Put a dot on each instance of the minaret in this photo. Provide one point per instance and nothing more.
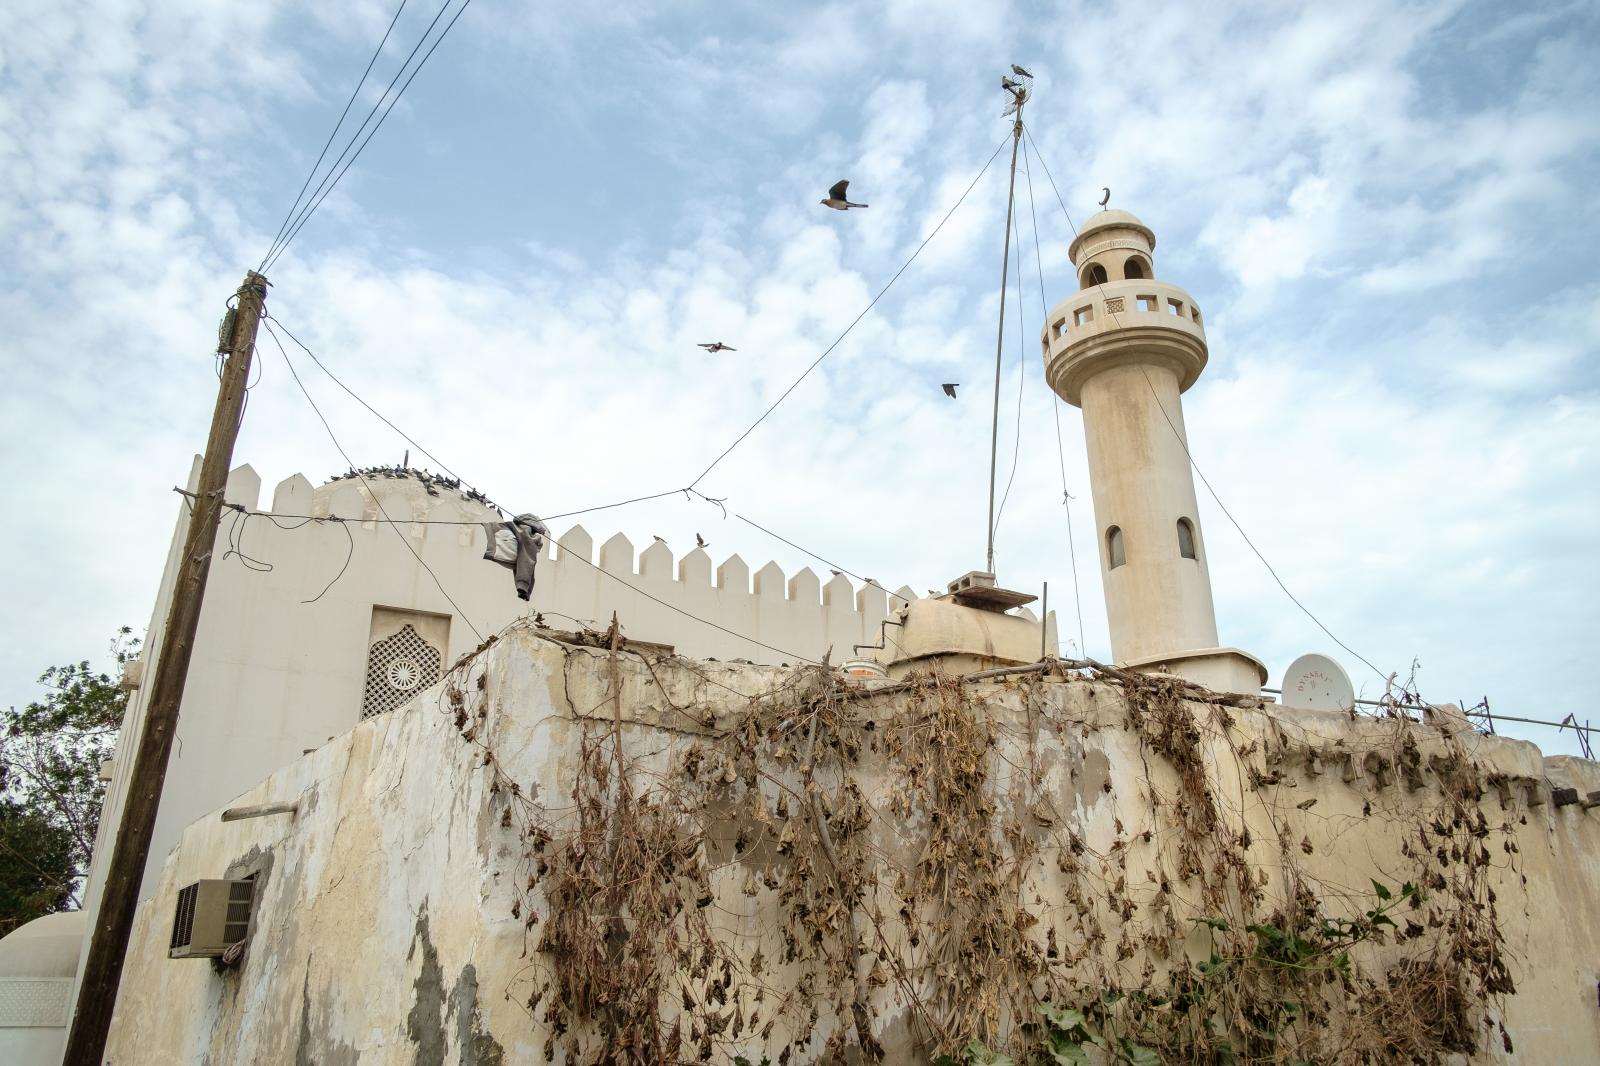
(1124, 348)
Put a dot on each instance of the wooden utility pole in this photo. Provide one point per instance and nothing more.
(97, 991)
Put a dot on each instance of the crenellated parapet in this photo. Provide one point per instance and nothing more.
(702, 607)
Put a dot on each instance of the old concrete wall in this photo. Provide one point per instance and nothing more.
(273, 674)
(385, 933)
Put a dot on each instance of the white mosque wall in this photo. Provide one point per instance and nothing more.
(273, 676)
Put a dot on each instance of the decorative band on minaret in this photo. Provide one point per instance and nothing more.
(1124, 348)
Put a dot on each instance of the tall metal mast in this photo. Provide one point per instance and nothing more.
(1020, 90)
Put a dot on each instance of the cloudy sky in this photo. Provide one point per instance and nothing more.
(1385, 209)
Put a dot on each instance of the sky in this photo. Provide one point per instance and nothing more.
(1385, 209)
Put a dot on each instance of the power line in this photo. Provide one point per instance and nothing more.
(378, 414)
(316, 201)
(673, 607)
(1022, 360)
(826, 562)
(1223, 507)
(838, 340)
(340, 449)
(1055, 404)
(1206, 481)
(442, 465)
(244, 513)
(284, 225)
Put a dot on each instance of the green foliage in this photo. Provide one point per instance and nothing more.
(36, 869)
(1068, 1034)
(50, 787)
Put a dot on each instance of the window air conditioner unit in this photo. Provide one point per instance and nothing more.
(211, 915)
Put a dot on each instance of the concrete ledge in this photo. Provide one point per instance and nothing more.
(1218, 669)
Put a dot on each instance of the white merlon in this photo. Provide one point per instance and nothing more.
(288, 658)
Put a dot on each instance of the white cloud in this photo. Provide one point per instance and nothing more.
(1399, 408)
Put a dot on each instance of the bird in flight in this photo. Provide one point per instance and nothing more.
(950, 389)
(700, 542)
(837, 197)
(1019, 72)
(1106, 199)
(717, 346)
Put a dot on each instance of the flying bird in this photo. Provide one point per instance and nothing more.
(1019, 72)
(950, 389)
(837, 197)
(717, 346)
(700, 542)
(1106, 199)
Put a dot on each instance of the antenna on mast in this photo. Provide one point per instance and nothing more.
(1020, 89)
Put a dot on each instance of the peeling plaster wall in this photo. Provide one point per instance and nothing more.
(383, 931)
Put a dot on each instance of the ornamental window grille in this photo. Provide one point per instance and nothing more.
(398, 667)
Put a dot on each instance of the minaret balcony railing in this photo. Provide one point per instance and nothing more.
(1122, 322)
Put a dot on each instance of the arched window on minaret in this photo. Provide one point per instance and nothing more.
(1186, 539)
(1134, 269)
(1114, 551)
(1094, 274)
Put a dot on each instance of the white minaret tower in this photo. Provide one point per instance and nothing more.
(1123, 348)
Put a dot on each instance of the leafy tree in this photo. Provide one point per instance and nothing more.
(50, 787)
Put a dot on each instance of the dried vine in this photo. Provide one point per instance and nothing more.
(916, 906)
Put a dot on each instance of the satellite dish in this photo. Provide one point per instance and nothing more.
(1317, 683)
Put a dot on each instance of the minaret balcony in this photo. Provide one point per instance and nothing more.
(1122, 323)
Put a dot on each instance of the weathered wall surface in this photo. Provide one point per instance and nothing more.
(280, 660)
(390, 925)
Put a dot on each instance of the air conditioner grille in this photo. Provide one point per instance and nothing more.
(398, 667)
(183, 919)
(210, 917)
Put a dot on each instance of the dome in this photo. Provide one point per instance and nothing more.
(1110, 220)
(425, 495)
(46, 947)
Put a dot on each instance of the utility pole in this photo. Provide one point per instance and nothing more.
(102, 972)
(1019, 97)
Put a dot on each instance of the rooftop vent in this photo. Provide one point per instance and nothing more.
(210, 917)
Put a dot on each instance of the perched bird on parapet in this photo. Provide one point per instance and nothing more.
(717, 346)
(1019, 72)
(950, 388)
(700, 542)
(835, 573)
(659, 540)
(837, 197)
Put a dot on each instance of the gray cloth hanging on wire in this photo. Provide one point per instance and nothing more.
(516, 545)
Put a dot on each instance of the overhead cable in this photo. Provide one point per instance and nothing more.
(1206, 481)
(1022, 377)
(839, 339)
(826, 562)
(1055, 401)
(340, 449)
(284, 225)
(328, 183)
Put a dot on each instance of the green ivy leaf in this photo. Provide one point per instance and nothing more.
(1063, 1018)
(979, 1053)
(1137, 1054)
(1068, 1053)
(1381, 889)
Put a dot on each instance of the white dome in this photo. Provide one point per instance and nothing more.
(45, 947)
